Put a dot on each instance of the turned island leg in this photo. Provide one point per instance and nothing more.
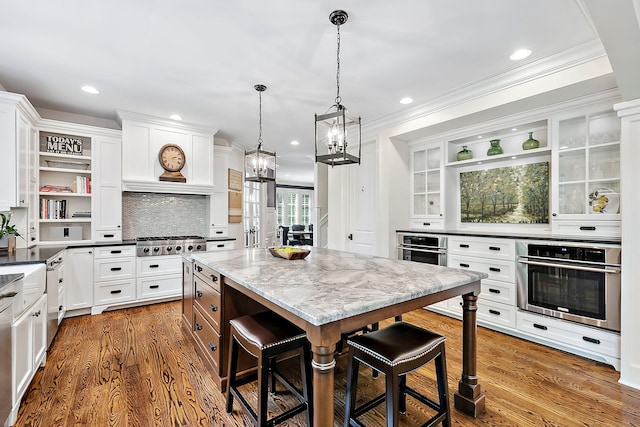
(323, 365)
(469, 398)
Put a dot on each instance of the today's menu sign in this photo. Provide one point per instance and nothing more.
(63, 144)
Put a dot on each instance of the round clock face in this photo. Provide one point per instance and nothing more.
(171, 157)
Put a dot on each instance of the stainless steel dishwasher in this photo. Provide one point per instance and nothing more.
(10, 291)
(56, 305)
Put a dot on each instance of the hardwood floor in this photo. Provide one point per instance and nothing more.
(136, 367)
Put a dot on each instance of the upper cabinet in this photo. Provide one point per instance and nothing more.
(427, 187)
(143, 137)
(586, 172)
(107, 176)
(17, 118)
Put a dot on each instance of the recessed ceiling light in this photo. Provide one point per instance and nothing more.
(294, 142)
(175, 117)
(406, 100)
(514, 129)
(479, 136)
(90, 89)
(520, 54)
(514, 157)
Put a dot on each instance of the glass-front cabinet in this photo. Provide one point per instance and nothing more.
(586, 199)
(427, 187)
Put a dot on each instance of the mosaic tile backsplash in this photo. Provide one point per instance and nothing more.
(153, 214)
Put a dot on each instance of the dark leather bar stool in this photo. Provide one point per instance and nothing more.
(266, 336)
(395, 351)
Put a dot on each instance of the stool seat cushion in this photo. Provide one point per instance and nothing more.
(397, 343)
(266, 329)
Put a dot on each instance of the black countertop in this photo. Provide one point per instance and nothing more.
(7, 279)
(523, 236)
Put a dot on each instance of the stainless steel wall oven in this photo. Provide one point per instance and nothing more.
(426, 248)
(570, 280)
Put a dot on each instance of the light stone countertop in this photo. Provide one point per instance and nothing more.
(331, 285)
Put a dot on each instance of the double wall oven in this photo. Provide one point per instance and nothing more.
(570, 280)
(426, 248)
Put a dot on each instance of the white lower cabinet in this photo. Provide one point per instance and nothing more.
(159, 277)
(114, 276)
(78, 277)
(28, 350)
(225, 245)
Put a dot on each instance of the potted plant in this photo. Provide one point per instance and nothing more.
(8, 233)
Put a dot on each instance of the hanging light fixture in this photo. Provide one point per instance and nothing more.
(259, 165)
(337, 130)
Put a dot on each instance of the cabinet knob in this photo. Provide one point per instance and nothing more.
(198, 327)
(554, 214)
(198, 294)
(213, 307)
(213, 346)
(214, 278)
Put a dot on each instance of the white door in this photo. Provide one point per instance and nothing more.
(362, 202)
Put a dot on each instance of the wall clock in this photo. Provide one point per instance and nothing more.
(172, 160)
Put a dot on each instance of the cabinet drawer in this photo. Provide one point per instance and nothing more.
(114, 251)
(207, 299)
(114, 291)
(207, 275)
(490, 312)
(109, 236)
(501, 292)
(219, 231)
(503, 249)
(504, 271)
(112, 269)
(163, 286)
(155, 265)
(207, 338)
(427, 224)
(587, 228)
(220, 246)
(570, 334)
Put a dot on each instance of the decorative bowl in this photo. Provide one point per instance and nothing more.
(288, 252)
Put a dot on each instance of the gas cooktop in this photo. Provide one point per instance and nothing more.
(170, 245)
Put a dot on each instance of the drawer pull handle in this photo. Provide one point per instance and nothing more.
(154, 286)
(463, 245)
(198, 294)
(154, 266)
(494, 248)
(218, 232)
(494, 269)
(587, 228)
(213, 346)
(213, 307)
(538, 326)
(198, 327)
(60, 280)
(464, 265)
(108, 235)
(116, 268)
(426, 224)
(116, 292)
(591, 340)
(199, 268)
(494, 291)
(37, 313)
(496, 312)
(214, 278)
(116, 252)
(220, 246)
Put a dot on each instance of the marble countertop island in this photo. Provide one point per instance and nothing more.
(332, 285)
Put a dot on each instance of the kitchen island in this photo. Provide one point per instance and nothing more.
(331, 292)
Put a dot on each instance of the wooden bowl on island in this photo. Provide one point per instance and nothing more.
(288, 252)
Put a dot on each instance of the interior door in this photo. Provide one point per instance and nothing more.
(362, 202)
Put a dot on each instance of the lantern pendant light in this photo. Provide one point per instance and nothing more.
(259, 165)
(338, 130)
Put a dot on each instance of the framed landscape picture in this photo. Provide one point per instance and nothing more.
(506, 195)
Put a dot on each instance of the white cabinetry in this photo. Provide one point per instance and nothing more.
(78, 274)
(427, 187)
(143, 137)
(107, 222)
(114, 276)
(159, 277)
(586, 172)
(496, 257)
(17, 118)
(29, 349)
(219, 200)
(225, 245)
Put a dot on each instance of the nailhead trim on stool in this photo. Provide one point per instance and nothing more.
(395, 351)
(266, 336)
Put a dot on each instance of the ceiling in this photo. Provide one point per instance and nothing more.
(200, 59)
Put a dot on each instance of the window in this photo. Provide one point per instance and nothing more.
(294, 206)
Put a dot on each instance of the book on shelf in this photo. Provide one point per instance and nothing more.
(50, 188)
(82, 185)
(81, 215)
(53, 209)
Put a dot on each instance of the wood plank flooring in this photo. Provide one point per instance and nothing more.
(136, 367)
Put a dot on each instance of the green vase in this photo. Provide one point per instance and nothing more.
(530, 143)
(464, 154)
(495, 148)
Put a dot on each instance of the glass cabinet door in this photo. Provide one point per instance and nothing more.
(589, 165)
(426, 180)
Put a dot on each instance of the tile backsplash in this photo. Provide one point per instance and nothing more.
(154, 214)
